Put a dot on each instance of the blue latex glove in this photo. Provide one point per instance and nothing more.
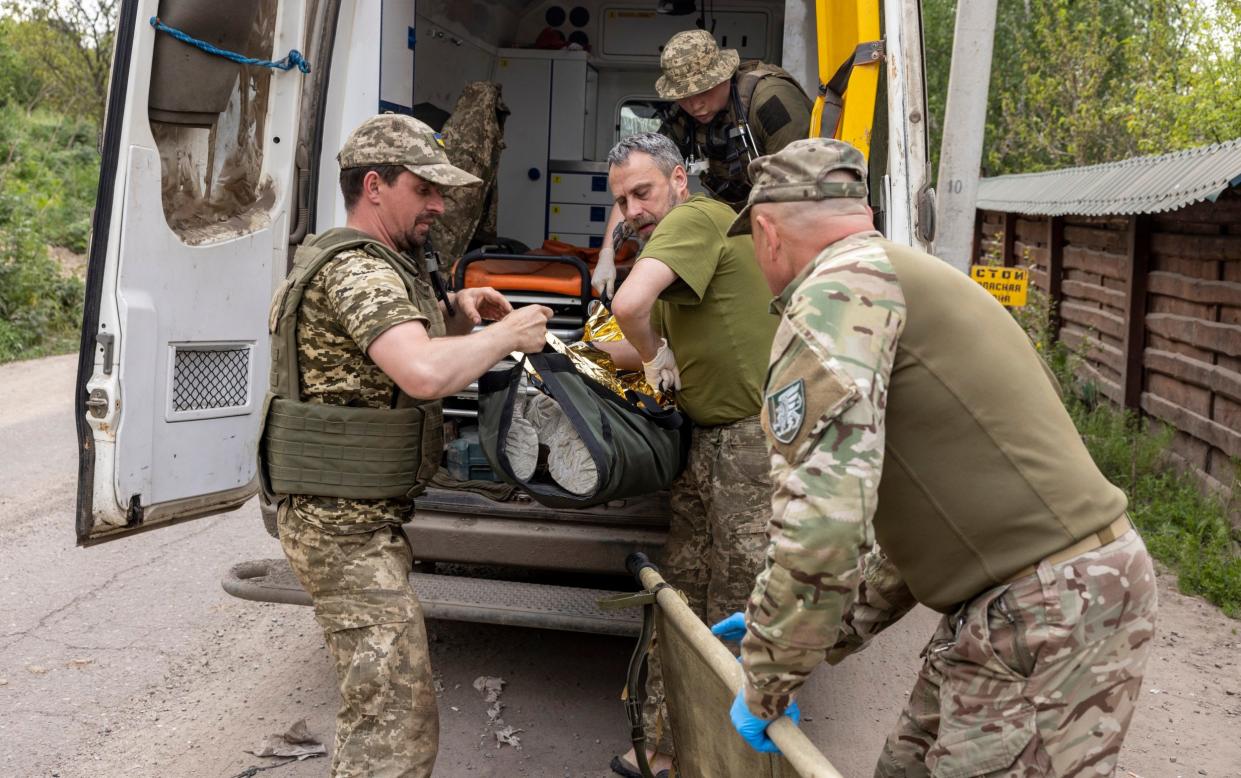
(730, 629)
(752, 729)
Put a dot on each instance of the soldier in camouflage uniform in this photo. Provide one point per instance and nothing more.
(372, 344)
(727, 113)
(694, 323)
(921, 453)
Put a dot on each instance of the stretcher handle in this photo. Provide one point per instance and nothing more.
(802, 755)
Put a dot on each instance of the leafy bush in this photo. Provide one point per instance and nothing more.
(40, 307)
(48, 175)
(48, 172)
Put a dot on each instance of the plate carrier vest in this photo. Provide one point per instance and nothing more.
(312, 448)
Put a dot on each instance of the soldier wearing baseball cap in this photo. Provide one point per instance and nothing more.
(921, 454)
(362, 352)
(395, 139)
(727, 113)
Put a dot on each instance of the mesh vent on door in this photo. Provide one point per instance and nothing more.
(210, 378)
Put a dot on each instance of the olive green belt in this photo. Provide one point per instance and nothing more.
(1089, 543)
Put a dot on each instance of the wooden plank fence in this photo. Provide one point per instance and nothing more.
(1153, 303)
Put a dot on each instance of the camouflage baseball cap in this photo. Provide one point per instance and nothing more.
(799, 172)
(692, 62)
(396, 139)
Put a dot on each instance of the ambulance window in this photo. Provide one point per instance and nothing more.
(207, 117)
(645, 115)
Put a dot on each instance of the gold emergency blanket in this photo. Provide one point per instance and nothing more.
(601, 327)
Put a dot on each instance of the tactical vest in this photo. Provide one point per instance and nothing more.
(984, 472)
(311, 448)
(726, 177)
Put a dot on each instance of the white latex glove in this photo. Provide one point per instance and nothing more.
(604, 277)
(661, 372)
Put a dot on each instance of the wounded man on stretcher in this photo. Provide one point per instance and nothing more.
(581, 450)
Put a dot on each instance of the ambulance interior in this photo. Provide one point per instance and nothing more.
(575, 77)
(568, 105)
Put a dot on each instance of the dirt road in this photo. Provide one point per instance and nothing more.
(129, 660)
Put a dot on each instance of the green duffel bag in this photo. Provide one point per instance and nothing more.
(637, 447)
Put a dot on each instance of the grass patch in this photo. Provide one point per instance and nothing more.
(1184, 527)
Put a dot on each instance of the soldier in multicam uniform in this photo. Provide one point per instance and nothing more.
(692, 292)
(362, 352)
(727, 113)
(921, 453)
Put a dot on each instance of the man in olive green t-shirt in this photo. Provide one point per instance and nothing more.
(695, 318)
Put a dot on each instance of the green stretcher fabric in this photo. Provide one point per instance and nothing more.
(638, 448)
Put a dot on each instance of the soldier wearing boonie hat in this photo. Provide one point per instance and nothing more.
(728, 112)
(920, 454)
(362, 352)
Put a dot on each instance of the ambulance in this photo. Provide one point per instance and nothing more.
(214, 171)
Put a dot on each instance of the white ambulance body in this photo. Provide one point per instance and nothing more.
(209, 181)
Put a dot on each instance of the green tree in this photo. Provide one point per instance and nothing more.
(19, 84)
(1076, 83)
(67, 45)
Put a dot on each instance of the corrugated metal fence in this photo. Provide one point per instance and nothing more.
(1153, 302)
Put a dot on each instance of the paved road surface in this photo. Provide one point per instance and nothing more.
(129, 660)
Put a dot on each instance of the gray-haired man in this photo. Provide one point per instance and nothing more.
(694, 314)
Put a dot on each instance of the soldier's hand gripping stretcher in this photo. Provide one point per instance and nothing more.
(700, 677)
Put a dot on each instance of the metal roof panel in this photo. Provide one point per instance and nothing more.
(1131, 186)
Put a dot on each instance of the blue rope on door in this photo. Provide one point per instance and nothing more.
(293, 60)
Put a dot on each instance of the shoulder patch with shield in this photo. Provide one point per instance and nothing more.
(806, 389)
(787, 411)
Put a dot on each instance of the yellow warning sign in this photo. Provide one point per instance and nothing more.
(1009, 285)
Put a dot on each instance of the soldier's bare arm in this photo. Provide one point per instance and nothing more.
(826, 467)
(429, 368)
(634, 301)
(623, 354)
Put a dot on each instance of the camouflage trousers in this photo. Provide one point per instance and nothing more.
(388, 723)
(1038, 677)
(717, 538)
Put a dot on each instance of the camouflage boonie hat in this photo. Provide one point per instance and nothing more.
(396, 139)
(799, 171)
(692, 62)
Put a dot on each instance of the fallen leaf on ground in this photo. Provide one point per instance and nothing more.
(36, 669)
(508, 736)
(296, 742)
(4, 681)
(493, 713)
(79, 662)
(489, 687)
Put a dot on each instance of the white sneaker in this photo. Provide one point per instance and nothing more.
(568, 460)
(522, 441)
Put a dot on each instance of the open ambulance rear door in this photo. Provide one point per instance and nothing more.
(208, 177)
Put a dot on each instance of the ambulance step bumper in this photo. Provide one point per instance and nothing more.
(459, 598)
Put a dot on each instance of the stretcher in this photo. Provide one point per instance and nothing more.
(701, 679)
